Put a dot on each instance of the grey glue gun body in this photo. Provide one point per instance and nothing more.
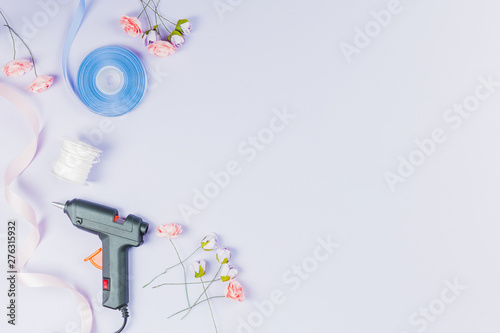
(117, 236)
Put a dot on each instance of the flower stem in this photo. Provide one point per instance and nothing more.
(184, 269)
(11, 36)
(175, 284)
(146, 12)
(209, 305)
(165, 271)
(160, 16)
(143, 8)
(195, 305)
(29, 50)
(164, 26)
(156, 16)
(156, 6)
(156, 21)
(215, 277)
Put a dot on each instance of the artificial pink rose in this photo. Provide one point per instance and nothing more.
(161, 48)
(41, 83)
(131, 25)
(235, 291)
(17, 67)
(170, 230)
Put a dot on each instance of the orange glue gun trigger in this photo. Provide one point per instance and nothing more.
(95, 259)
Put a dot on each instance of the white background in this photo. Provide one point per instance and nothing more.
(323, 175)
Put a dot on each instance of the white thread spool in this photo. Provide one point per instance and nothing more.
(75, 160)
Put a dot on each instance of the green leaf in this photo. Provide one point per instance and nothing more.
(178, 25)
(200, 273)
(175, 32)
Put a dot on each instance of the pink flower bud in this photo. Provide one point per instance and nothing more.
(131, 25)
(161, 48)
(17, 67)
(41, 83)
(170, 230)
(235, 291)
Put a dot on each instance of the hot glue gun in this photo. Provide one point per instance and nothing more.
(117, 236)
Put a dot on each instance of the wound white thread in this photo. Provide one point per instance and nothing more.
(75, 160)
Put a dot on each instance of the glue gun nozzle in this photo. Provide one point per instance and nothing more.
(58, 205)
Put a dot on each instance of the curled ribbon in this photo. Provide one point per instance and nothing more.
(23, 208)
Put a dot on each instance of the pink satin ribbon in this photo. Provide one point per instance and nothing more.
(23, 208)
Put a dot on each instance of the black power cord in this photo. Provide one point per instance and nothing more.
(124, 311)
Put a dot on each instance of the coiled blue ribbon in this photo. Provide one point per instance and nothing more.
(133, 85)
(121, 60)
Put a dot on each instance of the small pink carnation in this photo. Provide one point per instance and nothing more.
(41, 83)
(131, 25)
(170, 230)
(17, 67)
(235, 291)
(161, 48)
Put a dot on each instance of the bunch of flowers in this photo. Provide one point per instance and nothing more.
(153, 36)
(226, 273)
(19, 67)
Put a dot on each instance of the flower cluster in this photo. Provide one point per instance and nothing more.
(225, 274)
(19, 67)
(152, 37)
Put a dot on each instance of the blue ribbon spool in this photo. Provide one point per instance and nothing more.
(111, 81)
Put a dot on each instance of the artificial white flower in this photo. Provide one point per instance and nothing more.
(199, 267)
(223, 255)
(209, 242)
(228, 272)
(184, 27)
